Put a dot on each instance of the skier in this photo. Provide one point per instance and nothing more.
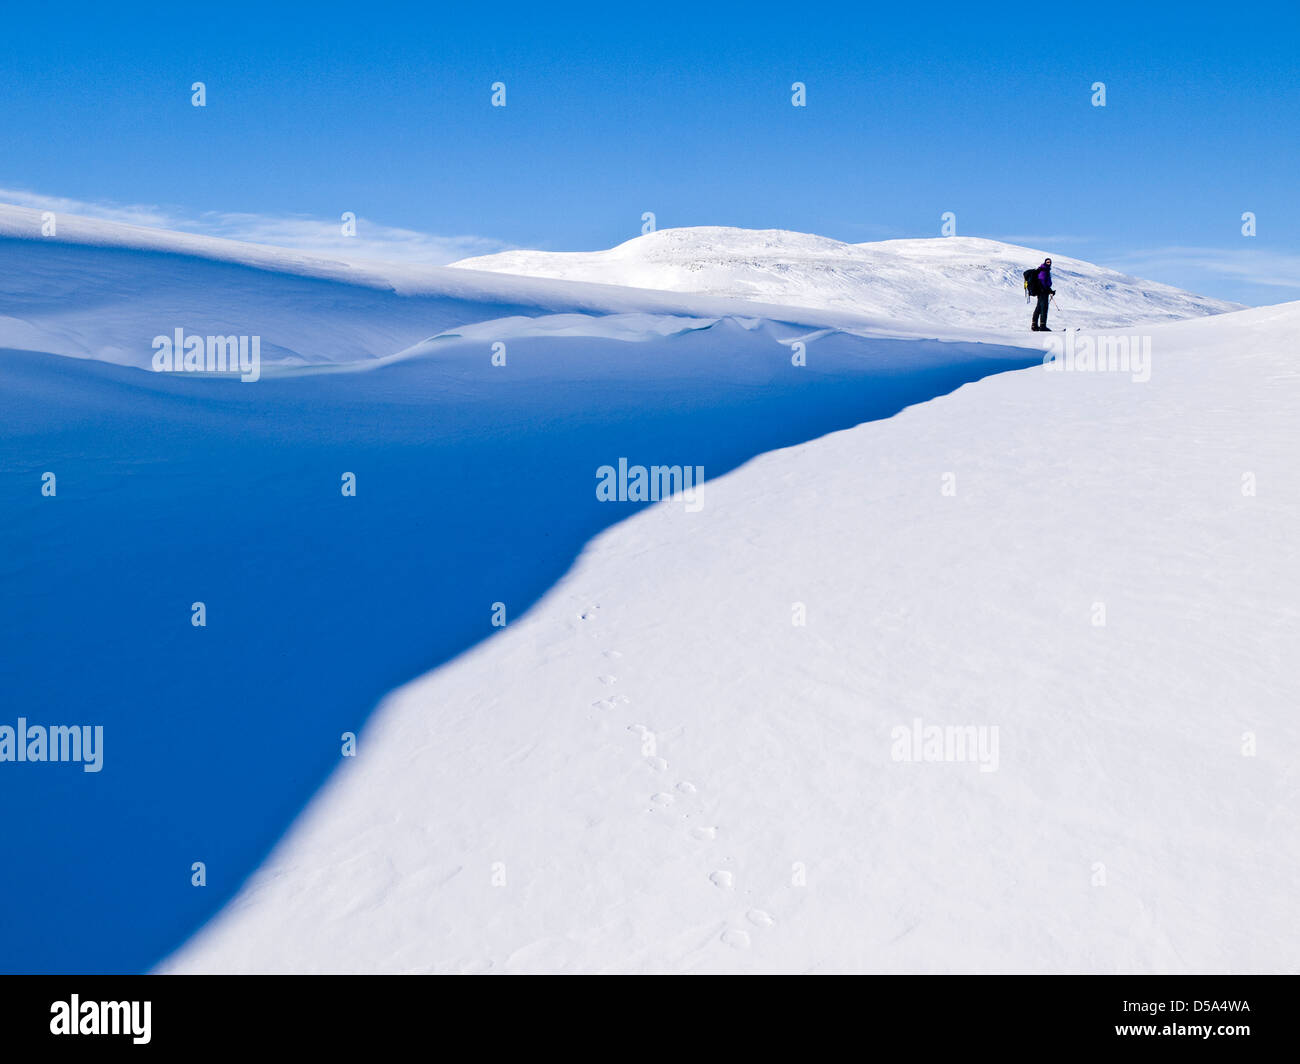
(1044, 292)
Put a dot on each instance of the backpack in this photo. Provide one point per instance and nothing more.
(1032, 285)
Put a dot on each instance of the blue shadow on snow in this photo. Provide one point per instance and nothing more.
(475, 484)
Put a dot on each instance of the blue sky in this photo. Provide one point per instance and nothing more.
(683, 110)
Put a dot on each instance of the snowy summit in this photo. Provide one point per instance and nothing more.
(964, 281)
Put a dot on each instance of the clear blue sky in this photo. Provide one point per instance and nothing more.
(684, 110)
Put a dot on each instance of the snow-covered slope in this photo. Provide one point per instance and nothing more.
(652, 766)
(958, 280)
(475, 485)
(660, 769)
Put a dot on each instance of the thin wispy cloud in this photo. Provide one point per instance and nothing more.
(299, 232)
(1256, 266)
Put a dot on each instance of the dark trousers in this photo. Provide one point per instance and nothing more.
(1040, 312)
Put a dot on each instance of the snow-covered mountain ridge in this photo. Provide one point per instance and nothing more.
(953, 280)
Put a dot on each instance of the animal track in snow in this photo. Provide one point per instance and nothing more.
(759, 918)
(735, 938)
(661, 798)
(607, 680)
(657, 763)
(686, 787)
(723, 880)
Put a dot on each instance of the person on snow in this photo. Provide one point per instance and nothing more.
(1045, 292)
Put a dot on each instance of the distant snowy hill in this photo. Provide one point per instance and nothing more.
(103, 290)
(955, 281)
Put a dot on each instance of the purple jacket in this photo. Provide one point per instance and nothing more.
(1045, 278)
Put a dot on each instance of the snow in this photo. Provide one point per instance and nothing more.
(103, 290)
(651, 767)
(768, 828)
(954, 280)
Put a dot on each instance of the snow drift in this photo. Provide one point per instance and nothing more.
(696, 753)
(681, 753)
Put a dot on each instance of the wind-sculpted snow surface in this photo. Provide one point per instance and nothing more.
(678, 755)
